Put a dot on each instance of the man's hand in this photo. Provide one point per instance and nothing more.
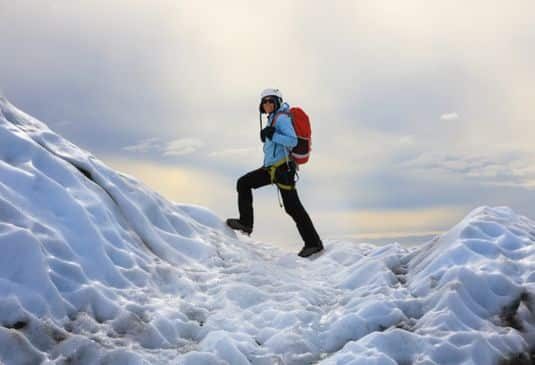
(267, 133)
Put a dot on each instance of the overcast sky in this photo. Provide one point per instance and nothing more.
(421, 110)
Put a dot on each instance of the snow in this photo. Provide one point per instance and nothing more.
(98, 269)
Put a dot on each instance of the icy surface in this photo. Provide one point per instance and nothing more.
(98, 269)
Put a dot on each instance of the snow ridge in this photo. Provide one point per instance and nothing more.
(98, 269)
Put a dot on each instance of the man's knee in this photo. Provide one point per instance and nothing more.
(242, 184)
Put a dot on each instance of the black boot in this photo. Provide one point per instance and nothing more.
(310, 250)
(237, 225)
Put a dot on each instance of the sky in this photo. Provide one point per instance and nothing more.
(420, 110)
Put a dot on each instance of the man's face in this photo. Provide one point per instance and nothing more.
(268, 103)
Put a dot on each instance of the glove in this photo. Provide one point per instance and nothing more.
(267, 133)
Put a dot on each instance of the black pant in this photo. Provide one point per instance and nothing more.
(260, 177)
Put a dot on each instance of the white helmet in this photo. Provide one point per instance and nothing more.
(270, 92)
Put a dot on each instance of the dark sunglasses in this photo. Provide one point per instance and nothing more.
(271, 101)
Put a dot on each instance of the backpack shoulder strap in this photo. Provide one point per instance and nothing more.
(277, 116)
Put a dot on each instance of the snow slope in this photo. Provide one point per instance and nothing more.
(97, 269)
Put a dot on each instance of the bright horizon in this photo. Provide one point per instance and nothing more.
(421, 111)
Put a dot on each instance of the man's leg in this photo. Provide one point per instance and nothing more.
(252, 180)
(295, 209)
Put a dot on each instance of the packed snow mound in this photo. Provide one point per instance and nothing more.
(98, 269)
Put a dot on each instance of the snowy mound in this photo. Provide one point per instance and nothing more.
(98, 269)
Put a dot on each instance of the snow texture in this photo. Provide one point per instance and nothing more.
(98, 269)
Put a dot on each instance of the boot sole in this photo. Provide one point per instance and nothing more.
(248, 233)
(313, 253)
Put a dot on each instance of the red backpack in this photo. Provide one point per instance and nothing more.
(301, 123)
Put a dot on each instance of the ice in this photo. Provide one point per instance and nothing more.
(16, 349)
(98, 269)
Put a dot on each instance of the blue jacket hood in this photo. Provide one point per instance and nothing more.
(285, 107)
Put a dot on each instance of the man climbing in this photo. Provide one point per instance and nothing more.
(279, 137)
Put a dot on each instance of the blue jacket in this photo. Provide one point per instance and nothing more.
(284, 138)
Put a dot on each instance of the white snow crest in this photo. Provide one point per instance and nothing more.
(98, 269)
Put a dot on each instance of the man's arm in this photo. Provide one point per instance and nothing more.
(285, 133)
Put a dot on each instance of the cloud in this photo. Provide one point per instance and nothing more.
(512, 168)
(406, 140)
(401, 222)
(177, 183)
(232, 152)
(147, 145)
(449, 116)
(178, 147)
(182, 146)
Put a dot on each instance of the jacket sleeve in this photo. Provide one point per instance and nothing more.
(284, 132)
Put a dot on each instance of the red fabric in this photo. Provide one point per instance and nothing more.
(301, 122)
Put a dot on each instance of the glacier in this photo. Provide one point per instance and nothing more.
(98, 269)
